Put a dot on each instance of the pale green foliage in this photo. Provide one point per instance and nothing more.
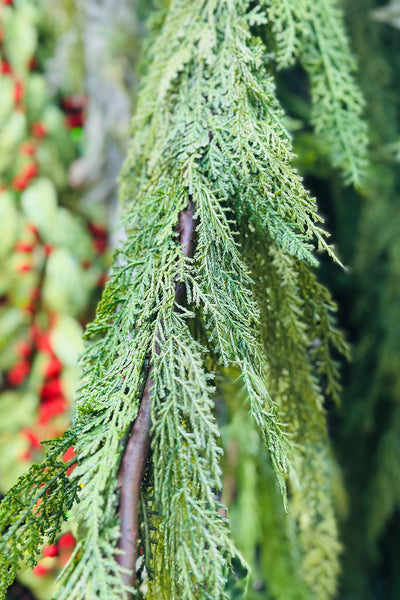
(263, 532)
(313, 510)
(300, 335)
(209, 129)
(188, 474)
(313, 32)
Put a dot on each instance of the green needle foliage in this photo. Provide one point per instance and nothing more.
(300, 339)
(208, 129)
(314, 33)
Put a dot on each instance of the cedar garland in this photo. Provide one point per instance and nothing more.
(134, 459)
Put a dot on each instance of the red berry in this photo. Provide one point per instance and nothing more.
(5, 68)
(97, 229)
(39, 129)
(70, 453)
(102, 280)
(48, 249)
(70, 469)
(19, 372)
(30, 308)
(32, 228)
(67, 456)
(43, 343)
(23, 348)
(40, 570)
(27, 149)
(35, 333)
(24, 268)
(19, 183)
(74, 120)
(100, 244)
(66, 541)
(53, 367)
(35, 293)
(75, 103)
(18, 92)
(33, 438)
(51, 407)
(30, 171)
(51, 388)
(23, 247)
(50, 550)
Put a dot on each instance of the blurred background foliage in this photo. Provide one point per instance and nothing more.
(365, 225)
(67, 89)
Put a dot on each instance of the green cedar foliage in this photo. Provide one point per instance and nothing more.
(208, 128)
(313, 32)
(297, 316)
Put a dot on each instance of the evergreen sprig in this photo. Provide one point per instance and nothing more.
(302, 344)
(208, 131)
(313, 32)
(33, 511)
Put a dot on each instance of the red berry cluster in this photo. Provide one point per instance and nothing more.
(19, 92)
(53, 401)
(100, 237)
(52, 398)
(30, 169)
(33, 254)
(55, 556)
(70, 453)
(74, 108)
(26, 248)
(6, 69)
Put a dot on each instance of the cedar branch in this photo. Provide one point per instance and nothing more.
(134, 460)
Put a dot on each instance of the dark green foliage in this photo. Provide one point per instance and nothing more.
(33, 511)
(372, 398)
(366, 430)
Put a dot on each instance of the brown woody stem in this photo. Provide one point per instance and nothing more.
(134, 460)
